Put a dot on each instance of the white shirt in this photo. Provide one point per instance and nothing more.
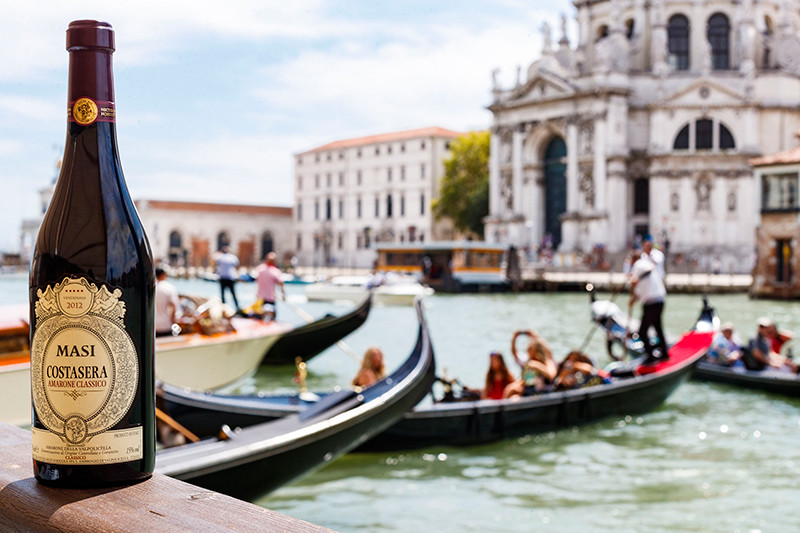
(657, 257)
(650, 285)
(166, 294)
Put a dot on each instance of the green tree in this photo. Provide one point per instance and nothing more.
(464, 188)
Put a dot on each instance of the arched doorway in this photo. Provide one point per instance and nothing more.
(555, 188)
(266, 244)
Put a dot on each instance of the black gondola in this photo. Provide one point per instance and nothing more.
(774, 381)
(261, 458)
(312, 339)
(636, 389)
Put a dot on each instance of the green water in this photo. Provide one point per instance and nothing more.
(712, 458)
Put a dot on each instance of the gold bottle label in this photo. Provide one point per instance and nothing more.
(86, 111)
(84, 375)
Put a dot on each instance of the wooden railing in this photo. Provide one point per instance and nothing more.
(160, 504)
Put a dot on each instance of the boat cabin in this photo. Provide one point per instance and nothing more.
(462, 266)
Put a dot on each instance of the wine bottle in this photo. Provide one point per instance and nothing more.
(92, 290)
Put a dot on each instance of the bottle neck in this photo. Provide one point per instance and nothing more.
(90, 96)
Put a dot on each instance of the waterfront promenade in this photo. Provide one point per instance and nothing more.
(566, 280)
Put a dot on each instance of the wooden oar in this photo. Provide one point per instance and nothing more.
(308, 318)
(174, 424)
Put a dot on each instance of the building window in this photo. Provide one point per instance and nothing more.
(388, 206)
(328, 179)
(358, 177)
(316, 210)
(422, 171)
(704, 137)
(422, 145)
(402, 147)
(377, 207)
(328, 209)
(377, 150)
(678, 42)
(316, 158)
(341, 156)
(403, 173)
(299, 183)
(779, 191)
(602, 32)
(719, 38)
(358, 153)
(389, 149)
(358, 208)
(641, 196)
(682, 140)
(299, 211)
(402, 206)
(389, 174)
(316, 181)
(299, 242)
(341, 209)
(328, 156)
(674, 202)
(726, 141)
(422, 204)
(704, 134)
(783, 263)
(340, 241)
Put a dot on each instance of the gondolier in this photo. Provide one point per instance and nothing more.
(647, 286)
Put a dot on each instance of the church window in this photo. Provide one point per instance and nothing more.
(641, 196)
(726, 141)
(719, 37)
(732, 202)
(678, 41)
(704, 134)
(682, 140)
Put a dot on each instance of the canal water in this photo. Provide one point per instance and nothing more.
(711, 458)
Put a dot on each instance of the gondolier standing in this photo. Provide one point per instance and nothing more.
(647, 286)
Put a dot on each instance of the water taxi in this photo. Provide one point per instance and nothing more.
(449, 266)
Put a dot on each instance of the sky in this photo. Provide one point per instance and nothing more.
(214, 98)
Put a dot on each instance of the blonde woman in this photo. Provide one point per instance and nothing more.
(372, 368)
(538, 371)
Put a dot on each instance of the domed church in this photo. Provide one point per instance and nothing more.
(647, 125)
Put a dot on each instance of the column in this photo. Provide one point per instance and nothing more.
(573, 189)
(516, 166)
(600, 169)
(494, 174)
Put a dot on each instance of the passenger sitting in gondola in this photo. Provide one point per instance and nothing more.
(778, 338)
(538, 372)
(498, 377)
(759, 354)
(372, 368)
(577, 370)
(726, 347)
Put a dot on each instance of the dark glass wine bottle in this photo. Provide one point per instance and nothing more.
(92, 290)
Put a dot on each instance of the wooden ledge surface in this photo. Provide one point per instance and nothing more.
(160, 504)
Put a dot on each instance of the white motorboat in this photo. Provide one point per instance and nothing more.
(388, 290)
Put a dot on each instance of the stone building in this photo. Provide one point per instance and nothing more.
(647, 125)
(775, 274)
(189, 233)
(353, 193)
